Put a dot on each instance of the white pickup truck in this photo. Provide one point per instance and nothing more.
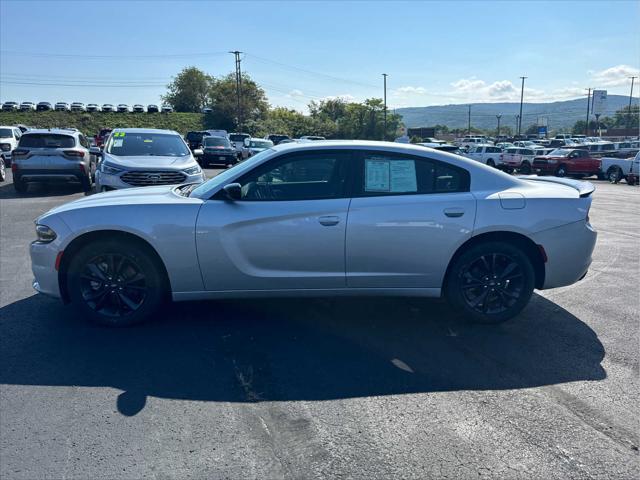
(487, 154)
(616, 169)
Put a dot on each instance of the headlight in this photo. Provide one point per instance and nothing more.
(192, 170)
(44, 234)
(109, 169)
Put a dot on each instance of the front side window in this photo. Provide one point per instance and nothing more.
(382, 173)
(303, 176)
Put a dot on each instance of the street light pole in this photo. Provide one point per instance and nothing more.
(630, 98)
(499, 116)
(521, 99)
(384, 135)
(586, 127)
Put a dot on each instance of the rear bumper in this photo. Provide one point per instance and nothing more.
(224, 159)
(50, 175)
(569, 249)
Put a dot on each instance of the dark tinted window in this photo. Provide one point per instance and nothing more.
(305, 176)
(391, 174)
(195, 136)
(238, 137)
(216, 142)
(47, 140)
(5, 133)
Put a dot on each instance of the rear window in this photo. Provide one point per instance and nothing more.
(47, 140)
(5, 133)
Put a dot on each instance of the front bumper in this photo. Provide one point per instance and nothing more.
(43, 259)
(219, 158)
(114, 182)
(569, 249)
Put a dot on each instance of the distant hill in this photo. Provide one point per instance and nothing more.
(561, 115)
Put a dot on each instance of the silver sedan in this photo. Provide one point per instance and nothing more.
(321, 218)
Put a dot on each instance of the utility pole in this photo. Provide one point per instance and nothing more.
(521, 99)
(499, 116)
(586, 127)
(630, 98)
(236, 53)
(384, 135)
(469, 127)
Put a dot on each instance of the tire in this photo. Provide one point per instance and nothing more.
(19, 185)
(86, 184)
(115, 283)
(490, 283)
(561, 171)
(614, 174)
(491, 163)
(525, 168)
(3, 170)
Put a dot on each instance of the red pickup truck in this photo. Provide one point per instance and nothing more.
(563, 162)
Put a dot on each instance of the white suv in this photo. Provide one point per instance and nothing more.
(9, 137)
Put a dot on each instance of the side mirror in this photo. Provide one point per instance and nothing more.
(233, 191)
(95, 151)
(198, 152)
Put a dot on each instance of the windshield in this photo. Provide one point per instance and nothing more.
(5, 133)
(216, 142)
(238, 137)
(146, 144)
(204, 190)
(560, 152)
(47, 140)
(260, 144)
(197, 136)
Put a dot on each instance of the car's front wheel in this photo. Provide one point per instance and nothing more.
(3, 170)
(490, 282)
(115, 283)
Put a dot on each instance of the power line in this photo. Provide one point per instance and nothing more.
(118, 56)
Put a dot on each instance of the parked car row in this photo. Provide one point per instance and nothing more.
(81, 107)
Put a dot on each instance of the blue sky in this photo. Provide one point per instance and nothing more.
(434, 52)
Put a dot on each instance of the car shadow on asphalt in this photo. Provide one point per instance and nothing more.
(295, 349)
(38, 190)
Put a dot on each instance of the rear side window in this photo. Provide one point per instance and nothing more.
(382, 173)
(47, 140)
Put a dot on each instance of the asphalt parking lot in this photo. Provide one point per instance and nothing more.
(325, 388)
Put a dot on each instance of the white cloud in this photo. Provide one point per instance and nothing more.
(614, 76)
(346, 97)
(409, 90)
(295, 93)
(476, 90)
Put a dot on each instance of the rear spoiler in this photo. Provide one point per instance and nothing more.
(584, 188)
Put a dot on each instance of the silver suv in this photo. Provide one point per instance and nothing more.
(55, 155)
(140, 157)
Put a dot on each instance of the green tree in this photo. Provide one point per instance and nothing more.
(189, 90)
(223, 101)
(625, 117)
(331, 109)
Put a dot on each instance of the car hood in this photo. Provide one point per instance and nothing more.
(149, 162)
(162, 194)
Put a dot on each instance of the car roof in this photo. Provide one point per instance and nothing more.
(145, 130)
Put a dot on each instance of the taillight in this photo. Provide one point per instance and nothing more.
(14, 167)
(73, 153)
(18, 152)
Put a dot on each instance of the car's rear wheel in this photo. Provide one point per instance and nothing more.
(491, 163)
(19, 185)
(614, 174)
(115, 283)
(3, 170)
(525, 168)
(561, 171)
(490, 282)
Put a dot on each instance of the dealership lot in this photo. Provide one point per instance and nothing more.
(365, 388)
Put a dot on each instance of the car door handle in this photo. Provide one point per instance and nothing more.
(453, 212)
(329, 220)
